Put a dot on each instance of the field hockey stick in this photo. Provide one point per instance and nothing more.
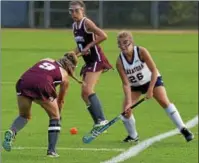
(90, 137)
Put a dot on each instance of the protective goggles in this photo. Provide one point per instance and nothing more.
(74, 10)
(125, 43)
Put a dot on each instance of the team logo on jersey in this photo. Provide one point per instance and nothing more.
(135, 69)
(79, 39)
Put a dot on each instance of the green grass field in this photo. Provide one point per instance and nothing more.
(176, 56)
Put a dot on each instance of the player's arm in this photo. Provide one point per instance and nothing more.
(62, 92)
(125, 82)
(146, 57)
(101, 35)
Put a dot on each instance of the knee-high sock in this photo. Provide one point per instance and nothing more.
(53, 133)
(95, 108)
(18, 124)
(174, 115)
(130, 126)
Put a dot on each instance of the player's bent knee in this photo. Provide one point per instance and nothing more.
(54, 115)
(164, 104)
(86, 91)
(167, 105)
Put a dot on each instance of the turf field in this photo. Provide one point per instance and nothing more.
(176, 56)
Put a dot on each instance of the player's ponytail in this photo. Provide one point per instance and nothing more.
(69, 62)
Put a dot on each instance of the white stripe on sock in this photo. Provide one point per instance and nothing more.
(54, 128)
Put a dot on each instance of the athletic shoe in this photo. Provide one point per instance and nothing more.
(187, 134)
(52, 154)
(8, 138)
(130, 139)
(96, 127)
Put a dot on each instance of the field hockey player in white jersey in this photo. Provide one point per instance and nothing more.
(139, 76)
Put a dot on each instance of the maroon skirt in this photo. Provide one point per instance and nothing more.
(95, 67)
(36, 89)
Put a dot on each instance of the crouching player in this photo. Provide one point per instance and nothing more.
(38, 84)
(139, 75)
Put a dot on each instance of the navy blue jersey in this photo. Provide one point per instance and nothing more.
(83, 38)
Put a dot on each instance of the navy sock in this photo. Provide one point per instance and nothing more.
(96, 108)
(53, 132)
(18, 124)
(92, 114)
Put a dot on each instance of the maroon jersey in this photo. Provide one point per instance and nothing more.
(44, 69)
(83, 38)
(40, 80)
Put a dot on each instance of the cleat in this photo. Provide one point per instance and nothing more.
(95, 132)
(187, 134)
(96, 127)
(130, 139)
(8, 138)
(52, 154)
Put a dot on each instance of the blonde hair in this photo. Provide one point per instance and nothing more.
(124, 34)
(69, 62)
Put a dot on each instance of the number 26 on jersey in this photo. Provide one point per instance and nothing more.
(136, 78)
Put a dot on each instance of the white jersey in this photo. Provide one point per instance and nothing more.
(137, 71)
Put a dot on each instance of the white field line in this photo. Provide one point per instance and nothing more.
(73, 149)
(135, 150)
(7, 83)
